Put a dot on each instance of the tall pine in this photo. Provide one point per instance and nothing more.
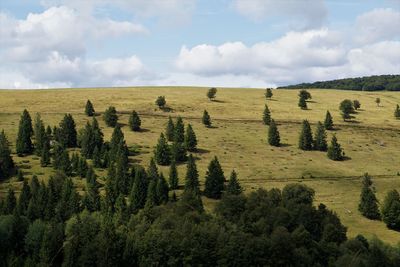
(266, 115)
(214, 184)
(320, 138)
(190, 139)
(206, 119)
(89, 109)
(173, 176)
(273, 134)
(134, 121)
(7, 163)
(335, 151)
(25, 131)
(233, 187)
(137, 197)
(170, 130)
(368, 205)
(179, 134)
(162, 151)
(328, 123)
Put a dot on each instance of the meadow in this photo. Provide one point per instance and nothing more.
(238, 138)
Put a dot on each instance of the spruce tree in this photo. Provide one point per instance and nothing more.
(302, 103)
(397, 112)
(368, 205)
(134, 121)
(162, 152)
(40, 134)
(96, 157)
(214, 184)
(45, 156)
(173, 176)
(190, 139)
(335, 151)
(273, 134)
(266, 116)
(137, 197)
(7, 163)
(25, 131)
(206, 119)
(320, 142)
(11, 202)
(191, 199)
(82, 167)
(110, 117)
(268, 93)
(391, 210)
(110, 189)
(162, 190)
(178, 152)
(67, 132)
(151, 197)
(89, 109)
(192, 176)
(152, 170)
(179, 134)
(24, 197)
(233, 187)
(305, 138)
(328, 123)
(121, 209)
(170, 130)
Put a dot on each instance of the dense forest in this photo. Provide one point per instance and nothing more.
(370, 83)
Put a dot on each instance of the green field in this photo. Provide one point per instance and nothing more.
(238, 138)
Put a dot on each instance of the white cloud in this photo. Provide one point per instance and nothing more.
(304, 14)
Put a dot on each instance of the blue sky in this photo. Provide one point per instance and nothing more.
(234, 43)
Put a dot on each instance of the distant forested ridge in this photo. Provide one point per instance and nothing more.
(370, 83)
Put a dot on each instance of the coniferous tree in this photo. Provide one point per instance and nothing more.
(48, 131)
(121, 209)
(391, 210)
(397, 112)
(10, 203)
(7, 163)
(61, 160)
(192, 176)
(179, 135)
(134, 121)
(152, 171)
(110, 117)
(151, 197)
(273, 134)
(173, 176)
(320, 138)
(206, 119)
(162, 190)
(20, 176)
(45, 156)
(328, 123)
(89, 109)
(306, 139)
(178, 152)
(214, 184)
(268, 93)
(67, 135)
(25, 131)
(211, 93)
(233, 187)
(96, 157)
(162, 152)
(110, 188)
(137, 197)
(302, 103)
(170, 130)
(24, 197)
(266, 116)
(190, 139)
(40, 134)
(82, 167)
(90, 138)
(368, 205)
(161, 102)
(335, 151)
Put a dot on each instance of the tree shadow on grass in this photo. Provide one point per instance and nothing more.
(201, 151)
(311, 101)
(285, 145)
(218, 101)
(346, 158)
(167, 109)
(353, 121)
(143, 130)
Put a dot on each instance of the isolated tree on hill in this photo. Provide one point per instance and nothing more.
(110, 117)
(268, 93)
(356, 104)
(179, 135)
(391, 210)
(67, 132)
(137, 197)
(134, 121)
(328, 123)
(266, 116)
(306, 139)
(173, 176)
(377, 101)
(161, 102)
(89, 109)
(162, 152)
(6, 161)
(273, 134)
(302, 103)
(320, 142)
(397, 112)
(233, 187)
(335, 152)
(170, 130)
(211, 93)
(190, 139)
(25, 130)
(368, 205)
(305, 94)
(214, 184)
(346, 107)
(206, 119)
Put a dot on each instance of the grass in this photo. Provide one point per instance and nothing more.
(238, 138)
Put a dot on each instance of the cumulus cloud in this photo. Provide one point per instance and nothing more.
(306, 13)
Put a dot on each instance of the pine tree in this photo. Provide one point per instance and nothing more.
(134, 121)
(266, 116)
(302, 103)
(61, 160)
(273, 134)
(233, 187)
(328, 123)
(179, 135)
(110, 188)
(268, 93)
(24, 197)
(152, 171)
(137, 197)
(96, 157)
(368, 205)
(162, 152)
(89, 109)
(397, 112)
(110, 117)
(45, 156)
(206, 119)
(162, 190)
(191, 199)
(305, 138)
(82, 167)
(11, 202)
(91, 200)
(24, 142)
(214, 184)
(320, 138)
(335, 152)
(190, 139)
(391, 210)
(151, 197)
(173, 176)
(121, 209)
(67, 132)
(170, 130)
(40, 134)
(178, 152)
(7, 163)
(192, 176)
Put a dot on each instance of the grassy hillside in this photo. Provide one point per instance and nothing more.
(371, 141)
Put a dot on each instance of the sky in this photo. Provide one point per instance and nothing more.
(222, 43)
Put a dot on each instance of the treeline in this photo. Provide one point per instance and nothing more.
(370, 83)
